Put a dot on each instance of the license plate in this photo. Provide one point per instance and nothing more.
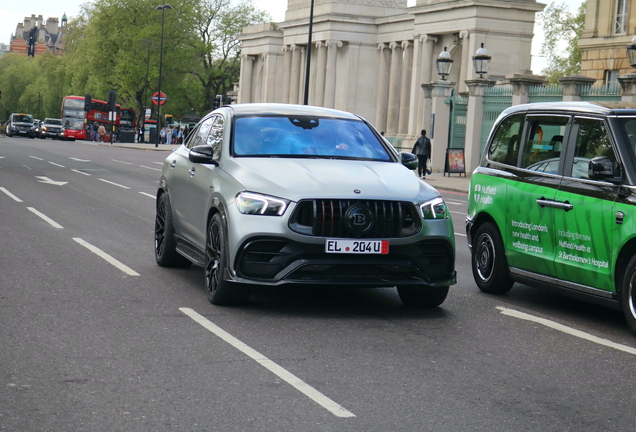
(357, 246)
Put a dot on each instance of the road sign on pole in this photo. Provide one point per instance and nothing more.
(159, 98)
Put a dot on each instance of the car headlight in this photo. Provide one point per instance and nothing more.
(434, 209)
(257, 204)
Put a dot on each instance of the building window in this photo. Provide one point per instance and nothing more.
(621, 16)
(611, 77)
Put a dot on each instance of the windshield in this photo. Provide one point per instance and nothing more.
(22, 118)
(304, 136)
(53, 122)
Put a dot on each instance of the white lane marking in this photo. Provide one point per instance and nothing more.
(47, 180)
(56, 164)
(36, 158)
(2, 157)
(127, 163)
(460, 234)
(26, 166)
(456, 202)
(154, 169)
(148, 195)
(565, 329)
(100, 253)
(80, 172)
(79, 160)
(15, 198)
(46, 218)
(115, 184)
(284, 374)
(158, 163)
(461, 213)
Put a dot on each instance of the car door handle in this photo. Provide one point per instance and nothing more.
(192, 172)
(173, 164)
(563, 205)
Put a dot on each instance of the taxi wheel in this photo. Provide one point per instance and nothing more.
(220, 291)
(628, 295)
(166, 253)
(490, 267)
(422, 297)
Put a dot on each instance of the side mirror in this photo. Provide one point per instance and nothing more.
(601, 168)
(202, 154)
(409, 160)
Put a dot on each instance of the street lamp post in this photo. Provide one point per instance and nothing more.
(163, 16)
(311, 24)
(145, 95)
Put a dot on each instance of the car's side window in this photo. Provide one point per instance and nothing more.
(215, 138)
(504, 147)
(591, 141)
(542, 148)
(200, 134)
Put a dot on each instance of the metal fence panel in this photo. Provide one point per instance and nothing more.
(496, 100)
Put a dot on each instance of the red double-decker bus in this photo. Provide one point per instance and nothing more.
(73, 116)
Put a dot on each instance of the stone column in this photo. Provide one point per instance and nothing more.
(405, 93)
(425, 118)
(245, 89)
(302, 77)
(442, 90)
(423, 102)
(287, 65)
(628, 87)
(319, 83)
(383, 88)
(521, 86)
(330, 78)
(394, 89)
(466, 61)
(572, 86)
(294, 82)
(474, 120)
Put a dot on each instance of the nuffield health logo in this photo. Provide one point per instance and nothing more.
(484, 194)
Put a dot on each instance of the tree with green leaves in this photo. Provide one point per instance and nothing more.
(562, 29)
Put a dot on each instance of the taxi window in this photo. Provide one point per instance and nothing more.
(542, 148)
(504, 147)
(591, 141)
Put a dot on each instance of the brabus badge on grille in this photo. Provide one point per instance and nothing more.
(359, 219)
(356, 191)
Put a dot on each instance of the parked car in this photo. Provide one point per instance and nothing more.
(53, 128)
(272, 194)
(20, 125)
(552, 203)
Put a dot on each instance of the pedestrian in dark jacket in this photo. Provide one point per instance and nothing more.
(422, 149)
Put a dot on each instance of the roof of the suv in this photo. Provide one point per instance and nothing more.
(602, 108)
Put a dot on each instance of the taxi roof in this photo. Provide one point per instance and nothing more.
(596, 107)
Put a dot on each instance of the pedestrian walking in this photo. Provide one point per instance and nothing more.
(422, 149)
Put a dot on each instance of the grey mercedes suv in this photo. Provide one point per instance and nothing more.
(272, 194)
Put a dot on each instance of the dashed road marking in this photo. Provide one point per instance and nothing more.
(282, 373)
(46, 218)
(114, 184)
(100, 253)
(15, 198)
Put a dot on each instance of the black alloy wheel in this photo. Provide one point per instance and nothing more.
(489, 264)
(166, 253)
(220, 291)
(628, 295)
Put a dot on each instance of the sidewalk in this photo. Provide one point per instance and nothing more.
(452, 182)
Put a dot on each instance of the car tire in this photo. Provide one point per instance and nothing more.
(488, 261)
(422, 296)
(220, 291)
(628, 294)
(165, 244)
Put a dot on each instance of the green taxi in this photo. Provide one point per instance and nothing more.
(553, 203)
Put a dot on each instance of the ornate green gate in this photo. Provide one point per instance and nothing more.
(496, 99)
(458, 111)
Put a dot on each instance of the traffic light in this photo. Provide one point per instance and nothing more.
(112, 100)
(218, 100)
(88, 100)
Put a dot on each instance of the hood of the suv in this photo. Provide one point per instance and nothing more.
(296, 179)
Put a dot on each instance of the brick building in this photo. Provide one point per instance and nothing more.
(48, 35)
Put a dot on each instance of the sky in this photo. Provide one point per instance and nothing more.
(13, 12)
